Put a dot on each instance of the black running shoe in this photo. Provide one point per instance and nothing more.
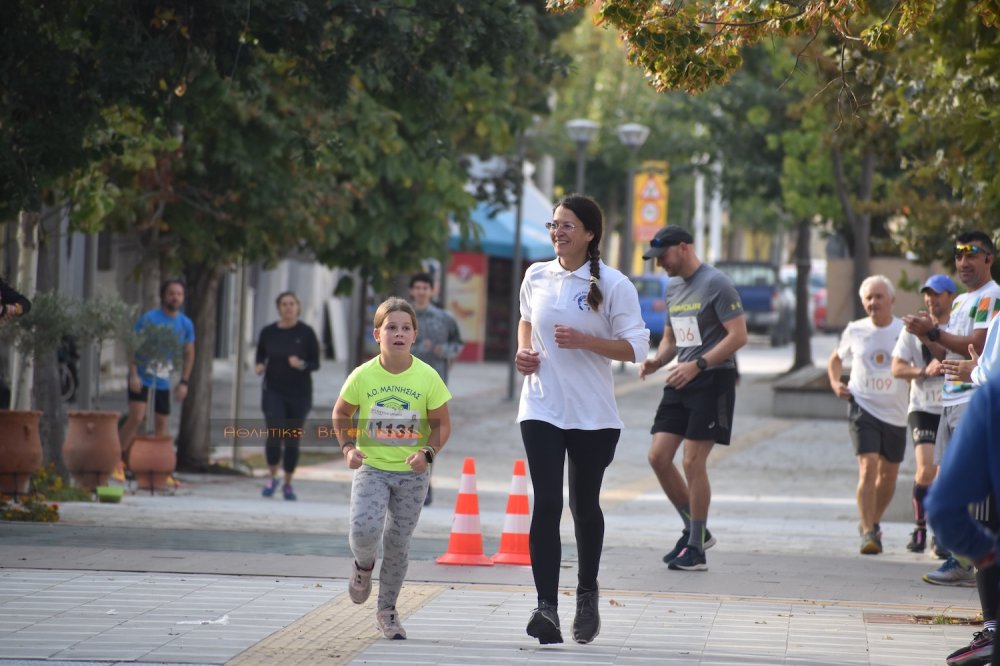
(940, 551)
(683, 542)
(544, 624)
(587, 623)
(979, 651)
(690, 559)
(918, 540)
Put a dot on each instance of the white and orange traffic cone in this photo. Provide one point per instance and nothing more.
(514, 539)
(466, 543)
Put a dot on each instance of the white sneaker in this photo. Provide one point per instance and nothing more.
(387, 622)
(359, 587)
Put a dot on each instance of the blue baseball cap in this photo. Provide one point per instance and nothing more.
(940, 283)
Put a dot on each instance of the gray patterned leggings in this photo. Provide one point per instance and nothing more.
(387, 505)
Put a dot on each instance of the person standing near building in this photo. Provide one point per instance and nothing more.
(878, 403)
(287, 355)
(141, 381)
(912, 361)
(577, 316)
(705, 326)
(438, 338)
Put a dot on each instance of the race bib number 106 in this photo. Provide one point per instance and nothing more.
(686, 331)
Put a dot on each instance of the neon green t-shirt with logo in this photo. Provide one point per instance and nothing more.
(392, 410)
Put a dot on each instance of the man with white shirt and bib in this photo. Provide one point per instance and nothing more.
(705, 326)
(878, 404)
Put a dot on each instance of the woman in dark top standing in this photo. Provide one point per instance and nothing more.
(287, 354)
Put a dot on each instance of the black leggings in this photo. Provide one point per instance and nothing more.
(590, 453)
(285, 416)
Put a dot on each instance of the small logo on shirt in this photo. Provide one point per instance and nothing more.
(581, 301)
(879, 359)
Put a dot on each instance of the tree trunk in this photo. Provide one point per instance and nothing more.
(27, 276)
(860, 223)
(803, 327)
(47, 393)
(195, 437)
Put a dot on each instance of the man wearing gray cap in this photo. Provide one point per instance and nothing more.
(914, 362)
(704, 328)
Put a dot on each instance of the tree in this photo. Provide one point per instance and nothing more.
(695, 46)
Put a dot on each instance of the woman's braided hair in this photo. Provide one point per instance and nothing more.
(587, 210)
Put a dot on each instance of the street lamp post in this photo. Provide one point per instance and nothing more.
(632, 136)
(582, 132)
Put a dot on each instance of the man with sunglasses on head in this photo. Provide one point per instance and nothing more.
(705, 326)
(970, 318)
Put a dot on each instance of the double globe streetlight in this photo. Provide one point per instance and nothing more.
(582, 132)
(632, 136)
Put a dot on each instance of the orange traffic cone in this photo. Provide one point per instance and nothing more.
(466, 543)
(514, 539)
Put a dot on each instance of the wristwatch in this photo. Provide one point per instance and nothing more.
(934, 334)
(428, 454)
(701, 362)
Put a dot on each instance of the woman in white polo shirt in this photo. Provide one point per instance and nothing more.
(577, 316)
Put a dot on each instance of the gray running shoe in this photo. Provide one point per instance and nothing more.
(871, 544)
(387, 621)
(953, 573)
(359, 587)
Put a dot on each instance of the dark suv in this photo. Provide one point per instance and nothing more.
(768, 303)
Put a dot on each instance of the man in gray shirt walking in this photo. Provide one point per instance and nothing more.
(705, 325)
(438, 339)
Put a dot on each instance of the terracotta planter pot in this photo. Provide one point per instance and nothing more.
(91, 449)
(152, 459)
(20, 450)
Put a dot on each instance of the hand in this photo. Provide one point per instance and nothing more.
(961, 368)
(134, 383)
(181, 392)
(295, 362)
(568, 337)
(354, 457)
(417, 461)
(682, 374)
(918, 324)
(259, 368)
(648, 367)
(841, 391)
(526, 361)
(934, 368)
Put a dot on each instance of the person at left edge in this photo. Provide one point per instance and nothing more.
(287, 355)
(12, 303)
(577, 316)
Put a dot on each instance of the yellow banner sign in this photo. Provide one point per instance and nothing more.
(650, 193)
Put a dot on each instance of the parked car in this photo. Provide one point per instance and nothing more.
(817, 290)
(652, 290)
(768, 303)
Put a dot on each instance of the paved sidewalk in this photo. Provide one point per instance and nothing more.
(216, 575)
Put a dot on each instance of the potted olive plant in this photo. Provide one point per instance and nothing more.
(34, 335)
(92, 449)
(152, 457)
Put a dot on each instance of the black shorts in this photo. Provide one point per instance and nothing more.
(923, 427)
(702, 410)
(870, 435)
(161, 401)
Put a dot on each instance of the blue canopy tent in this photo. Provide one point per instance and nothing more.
(497, 231)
